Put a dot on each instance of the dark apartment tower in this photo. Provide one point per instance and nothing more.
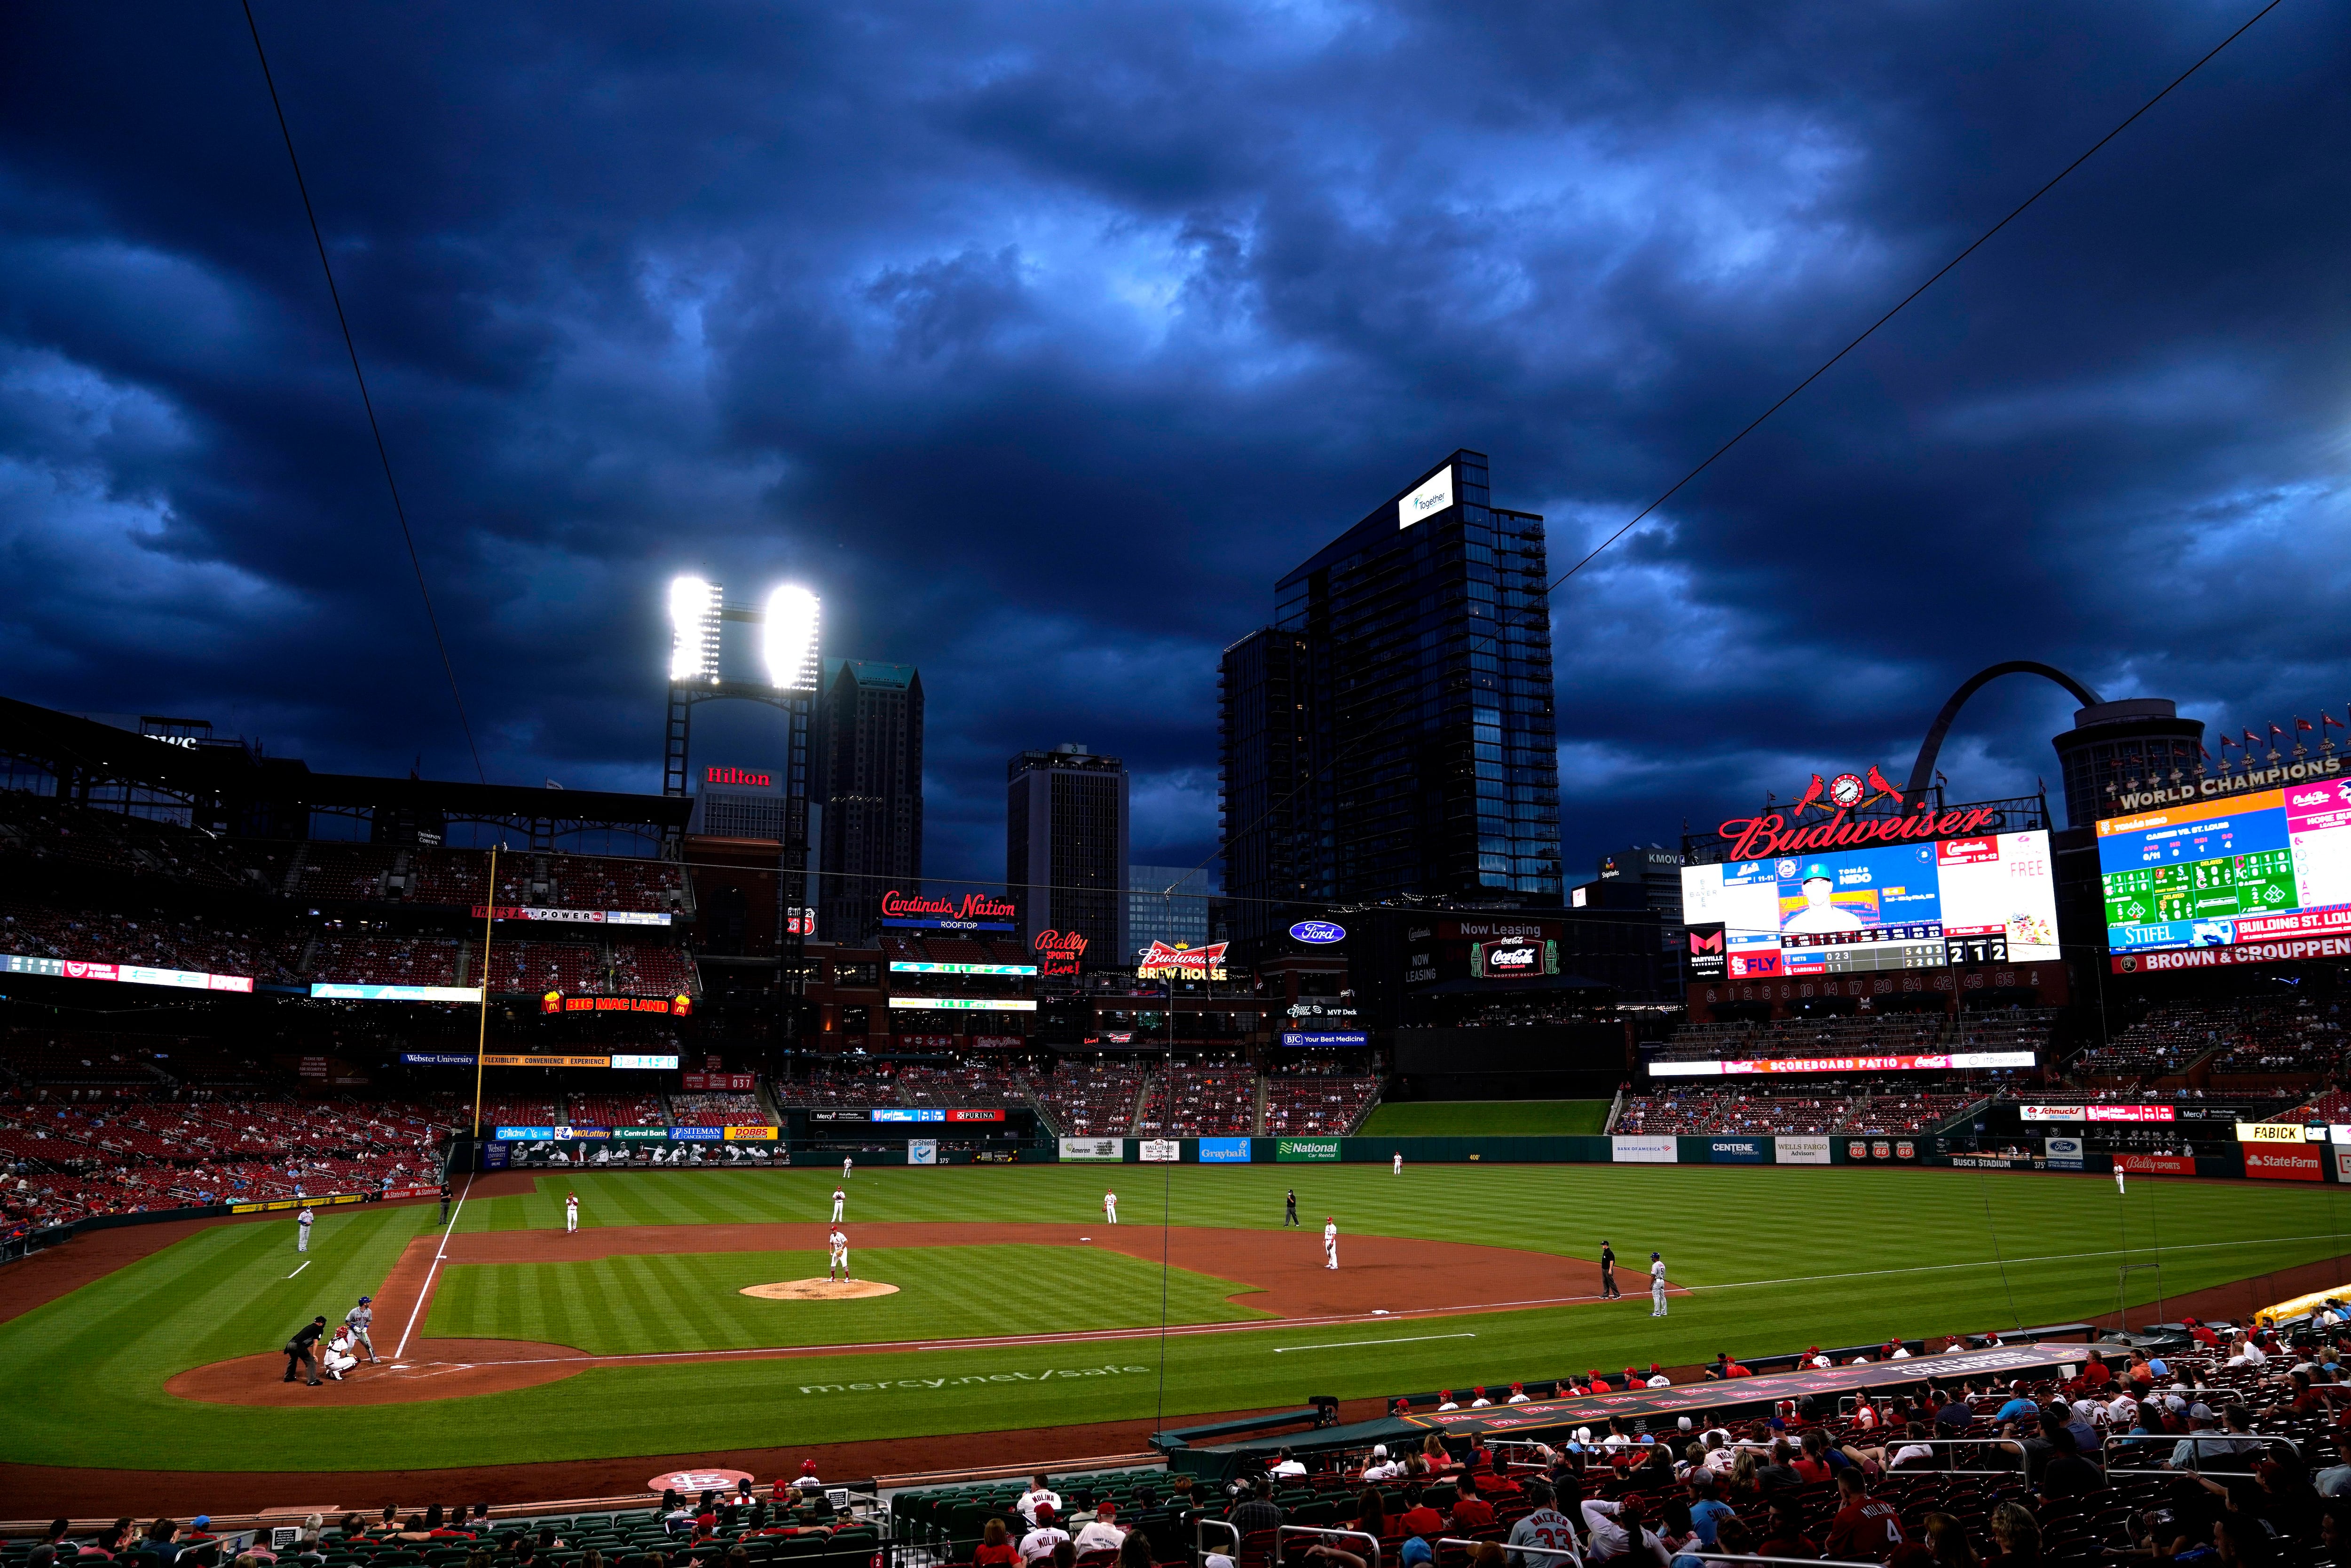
(869, 746)
(1065, 850)
(1392, 732)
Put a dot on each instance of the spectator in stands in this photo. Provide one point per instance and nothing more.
(1780, 1474)
(1038, 1543)
(2334, 1480)
(1257, 1514)
(1038, 1494)
(1102, 1532)
(1471, 1513)
(1620, 1529)
(996, 1549)
(1543, 1525)
(1285, 1463)
(2232, 1450)
(1418, 1518)
(2067, 1473)
(1912, 1451)
(1371, 1512)
(2018, 1535)
(1382, 1468)
(1708, 1512)
(1786, 1537)
(1865, 1527)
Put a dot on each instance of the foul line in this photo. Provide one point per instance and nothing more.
(1356, 1343)
(425, 1291)
(298, 1268)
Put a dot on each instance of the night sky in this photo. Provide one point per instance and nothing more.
(1039, 340)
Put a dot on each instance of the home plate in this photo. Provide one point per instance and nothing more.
(820, 1289)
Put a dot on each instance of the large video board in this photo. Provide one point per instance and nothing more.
(2218, 874)
(1983, 900)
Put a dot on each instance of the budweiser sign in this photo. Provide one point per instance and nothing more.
(1755, 837)
(972, 909)
(1160, 961)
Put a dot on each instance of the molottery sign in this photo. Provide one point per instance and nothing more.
(973, 912)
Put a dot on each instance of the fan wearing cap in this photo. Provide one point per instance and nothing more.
(1100, 1533)
(1382, 1468)
(359, 1320)
(1038, 1543)
(1818, 914)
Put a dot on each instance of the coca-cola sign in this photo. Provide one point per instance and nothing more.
(972, 912)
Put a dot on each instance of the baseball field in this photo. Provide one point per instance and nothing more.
(1015, 1307)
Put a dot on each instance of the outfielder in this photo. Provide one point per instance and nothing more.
(358, 1322)
(838, 1268)
(571, 1214)
(303, 1221)
(1399, 1162)
(2118, 1181)
(1110, 1207)
(1656, 1286)
(1331, 1241)
(839, 1199)
(848, 1166)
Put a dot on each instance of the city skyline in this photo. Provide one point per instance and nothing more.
(1037, 344)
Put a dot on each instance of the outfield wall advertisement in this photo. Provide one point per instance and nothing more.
(1094, 1148)
(1224, 1151)
(1290, 1151)
(1659, 1149)
(1789, 1149)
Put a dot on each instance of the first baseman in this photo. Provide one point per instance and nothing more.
(839, 1199)
(1331, 1240)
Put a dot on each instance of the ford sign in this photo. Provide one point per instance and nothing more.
(1318, 932)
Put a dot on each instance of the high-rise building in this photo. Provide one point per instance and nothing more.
(1391, 731)
(1657, 870)
(1167, 904)
(869, 779)
(1065, 850)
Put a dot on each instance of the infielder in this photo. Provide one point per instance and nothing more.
(1656, 1286)
(1331, 1241)
(571, 1214)
(839, 1199)
(1110, 1207)
(358, 1322)
(848, 1166)
(303, 1221)
(838, 1268)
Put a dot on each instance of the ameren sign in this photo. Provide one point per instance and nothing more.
(2227, 784)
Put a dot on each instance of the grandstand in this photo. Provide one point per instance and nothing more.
(1317, 1102)
(1830, 1107)
(1864, 1034)
(1194, 1102)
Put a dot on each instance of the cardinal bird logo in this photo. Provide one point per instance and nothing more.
(1878, 782)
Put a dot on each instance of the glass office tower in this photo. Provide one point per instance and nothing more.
(1392, 732)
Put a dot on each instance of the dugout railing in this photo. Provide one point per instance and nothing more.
(1282, 1534)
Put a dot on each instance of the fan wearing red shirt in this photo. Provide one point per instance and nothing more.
(1867, 1528)
(1420, 1518)
(1471, 1513)
(1786, 1536)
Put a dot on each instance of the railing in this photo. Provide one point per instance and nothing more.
(2024, 1462)
(2195, 1455)
(1371, 1559)
(1567, 1551)
(1706, 1556)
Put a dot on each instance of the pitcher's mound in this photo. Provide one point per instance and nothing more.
(820, 1289)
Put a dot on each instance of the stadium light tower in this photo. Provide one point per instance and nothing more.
(791, 649)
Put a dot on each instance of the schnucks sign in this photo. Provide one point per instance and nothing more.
(973, 912)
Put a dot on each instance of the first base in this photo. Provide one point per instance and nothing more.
(820, 1289)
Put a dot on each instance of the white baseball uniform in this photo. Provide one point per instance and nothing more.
(840, 1255)
(1331, 1243)
(839, 1199)
(571, 1214)
(303, 1221)
(2118, 1178)
(848, 1167)
(1657, 1288)
(1399, 1162)
(1110, 1207)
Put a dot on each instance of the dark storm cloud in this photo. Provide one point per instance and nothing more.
(1041, 339)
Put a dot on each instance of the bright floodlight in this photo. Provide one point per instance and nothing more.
(791, 639)
(694, 630)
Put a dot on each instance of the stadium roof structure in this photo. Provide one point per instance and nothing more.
(230, 788)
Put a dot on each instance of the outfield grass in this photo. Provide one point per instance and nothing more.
(1776, 1257)
(631, 1305)
(1492, 1118)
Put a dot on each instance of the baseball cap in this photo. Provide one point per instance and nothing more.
(1379, 1450)
(1817, 871)
(201, 1520)
(1044, 1512)
(365, 1300)
(1416, 1550)
(1219, 1560)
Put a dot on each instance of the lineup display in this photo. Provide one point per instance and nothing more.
(1983, 900)
(2215, 874)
